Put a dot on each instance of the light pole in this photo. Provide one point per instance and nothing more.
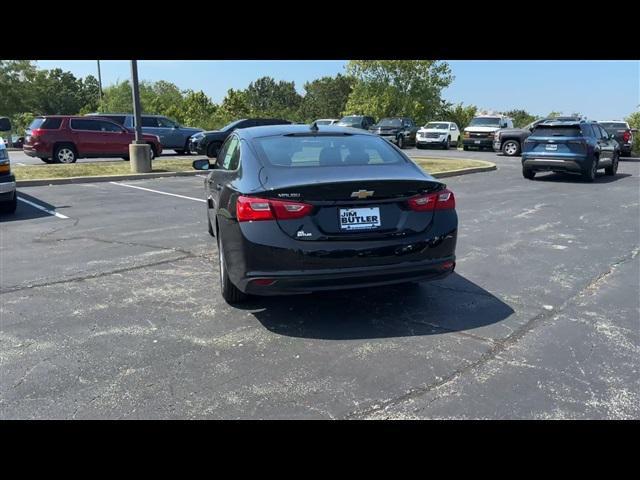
(99, 82)
(139, 151)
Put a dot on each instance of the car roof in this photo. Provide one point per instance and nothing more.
(274, 130)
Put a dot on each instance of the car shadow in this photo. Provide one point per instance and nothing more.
(630, 159)
(430, 308)
(568, 177)
(24, 211)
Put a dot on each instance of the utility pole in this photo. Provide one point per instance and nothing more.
(99, 82)
(139, 151)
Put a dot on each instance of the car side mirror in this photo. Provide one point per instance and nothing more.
(203, 164)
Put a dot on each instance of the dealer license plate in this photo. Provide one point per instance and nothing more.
(359, 218)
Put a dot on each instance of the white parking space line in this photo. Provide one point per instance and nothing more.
(40, 207)
(158, 191)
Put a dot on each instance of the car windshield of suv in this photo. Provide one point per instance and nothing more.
(350, 121)
(231, 125)
(327, 151)
(485, 122)
(437, 126)
(613, 126)
(389, 122)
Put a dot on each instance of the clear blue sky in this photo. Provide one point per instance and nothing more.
(598, 89)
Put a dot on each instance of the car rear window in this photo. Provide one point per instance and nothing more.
(560, 131)
(46, 123)
(326, 151)
(613, 125)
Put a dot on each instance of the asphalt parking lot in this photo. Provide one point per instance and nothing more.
(111, 309)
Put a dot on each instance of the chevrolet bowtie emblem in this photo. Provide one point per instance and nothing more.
(362, 194)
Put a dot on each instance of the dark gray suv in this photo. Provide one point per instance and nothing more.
(173, 136)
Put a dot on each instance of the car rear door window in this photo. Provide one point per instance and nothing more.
(165, 122)
(151, 122)
(108, 127)
(87, 125)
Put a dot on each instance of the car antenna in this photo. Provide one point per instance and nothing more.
(314, 126)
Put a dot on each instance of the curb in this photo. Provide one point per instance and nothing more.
(104, 178)
(462, 171)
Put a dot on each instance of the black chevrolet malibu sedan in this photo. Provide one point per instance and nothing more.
(297, 209)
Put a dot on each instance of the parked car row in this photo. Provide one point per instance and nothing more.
(8, 197)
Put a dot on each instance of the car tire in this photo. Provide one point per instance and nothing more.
(209, 226)
(528, 173)
(47, 160)
(447, 144)
(613, 169)
(153, 151)
(465, 148)
(400, 142)
(11, 205)
(589, 173)
(179, 152)
(229, 291)
(419, 147)
(511, 148)
(212, 150)
(65, 153)
(126, 159)
(625, 154)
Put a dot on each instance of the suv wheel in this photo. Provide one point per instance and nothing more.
(511, 148)
(528, 173)
(589, 174)
(400, 142)
(447, 144)
(229, 291)
(65, 154)
(613, 169)
(152, 152)
(465, 148)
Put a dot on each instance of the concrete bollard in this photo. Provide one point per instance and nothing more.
(140, 157)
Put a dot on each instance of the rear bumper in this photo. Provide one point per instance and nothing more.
(625, 148)
(34, 151)
(571, 164)
(340, 279)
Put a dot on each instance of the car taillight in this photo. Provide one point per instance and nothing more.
(626, 136)
(250, 209)
(36, 132)
(442, 200)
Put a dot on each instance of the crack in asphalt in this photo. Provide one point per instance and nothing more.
(498, 347)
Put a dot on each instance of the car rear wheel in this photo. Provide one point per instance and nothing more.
(589, 173)
(65, 154)
(10, 206)
(400, 142)
(230, 292)
(447, 144)
(511, 148)
(613, 169)
(528, 173)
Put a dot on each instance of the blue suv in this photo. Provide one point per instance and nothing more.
(173, 136)
(573, 146)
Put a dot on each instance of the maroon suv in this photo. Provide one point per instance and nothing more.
(65, 138)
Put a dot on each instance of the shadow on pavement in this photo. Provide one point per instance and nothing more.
(453, 304)
(24, 211)
(575, 178)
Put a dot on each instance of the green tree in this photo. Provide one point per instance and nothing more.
(520, 117)
(15, 86)
(267, 98)
(200, 111)
(634, 122)
(459, 114)
(325, 97)
(234, 106)
(397, 87)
